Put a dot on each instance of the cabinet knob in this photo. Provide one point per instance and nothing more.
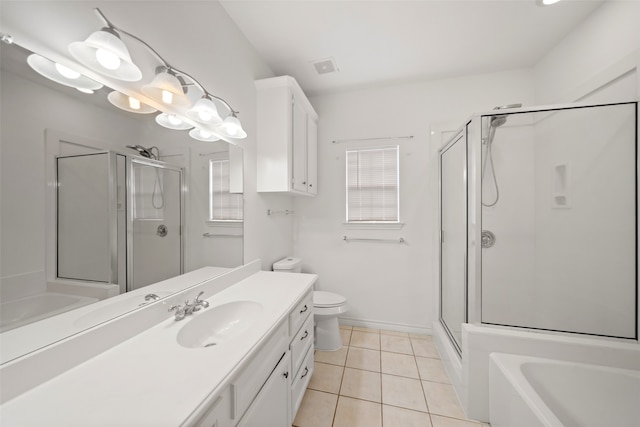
(286, 375)
(304, 182)
(310, 185)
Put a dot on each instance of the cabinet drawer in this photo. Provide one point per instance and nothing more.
(300, 313)
(301, 343)
(247, 385)
(300, 382)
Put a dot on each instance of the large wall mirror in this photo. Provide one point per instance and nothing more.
(69, 186)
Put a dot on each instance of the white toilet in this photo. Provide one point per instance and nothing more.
(327, 306)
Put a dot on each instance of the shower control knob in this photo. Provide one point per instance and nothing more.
(162, 230)
(488, 239)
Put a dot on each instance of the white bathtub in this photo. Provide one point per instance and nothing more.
(530, 391)
(32, 308)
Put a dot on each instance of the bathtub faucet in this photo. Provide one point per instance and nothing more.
(189, 308)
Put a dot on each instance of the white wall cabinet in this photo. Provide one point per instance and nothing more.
(287, 138)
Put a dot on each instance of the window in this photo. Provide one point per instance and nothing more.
(373, 185)
(223, 205)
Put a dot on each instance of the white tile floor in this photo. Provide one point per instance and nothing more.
(381, 379)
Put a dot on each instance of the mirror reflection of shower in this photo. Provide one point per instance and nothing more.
(157, 197)
(494, 123)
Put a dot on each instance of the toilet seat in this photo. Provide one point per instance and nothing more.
(322, 299)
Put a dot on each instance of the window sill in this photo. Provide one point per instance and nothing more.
(225, 228)
(373, 225)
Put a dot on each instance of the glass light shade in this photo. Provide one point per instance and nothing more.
(172, 122)
(122, 101)
(104, 52)
(67, 72)
(203, 135)
(204, 110)
(164, 84)
(47, 68)
(233, 128)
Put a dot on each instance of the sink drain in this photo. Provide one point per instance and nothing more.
(211, 344)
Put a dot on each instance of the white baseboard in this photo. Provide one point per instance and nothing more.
(372, 324)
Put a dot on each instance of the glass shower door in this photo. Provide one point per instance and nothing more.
(453, 237)
(155, 223)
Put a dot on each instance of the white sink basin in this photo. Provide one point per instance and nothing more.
(216, 325)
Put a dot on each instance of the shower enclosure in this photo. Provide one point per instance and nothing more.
(119, 219)
(539, 221)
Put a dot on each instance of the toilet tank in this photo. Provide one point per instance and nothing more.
(288, 265)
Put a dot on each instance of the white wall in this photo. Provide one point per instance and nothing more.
(390, 285)
(609, 35)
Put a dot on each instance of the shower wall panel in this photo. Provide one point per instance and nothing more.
(564, 258)
(585, 245)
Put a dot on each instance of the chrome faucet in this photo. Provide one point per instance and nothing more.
(149, 298)
(189, 308)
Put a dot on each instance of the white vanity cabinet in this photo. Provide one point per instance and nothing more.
(269, 388)
(287, 138)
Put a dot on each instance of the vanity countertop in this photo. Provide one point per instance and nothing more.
(150, 379)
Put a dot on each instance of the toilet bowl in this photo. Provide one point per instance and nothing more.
(327, 306)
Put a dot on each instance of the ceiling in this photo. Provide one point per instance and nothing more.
(378, 42)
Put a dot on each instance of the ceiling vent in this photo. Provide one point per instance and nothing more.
(325, 66)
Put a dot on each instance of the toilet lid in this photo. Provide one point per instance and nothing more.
(327, 299)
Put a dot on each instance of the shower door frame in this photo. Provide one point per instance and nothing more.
(111, 214)
(131, 160)
(459, 135)
(474, 224)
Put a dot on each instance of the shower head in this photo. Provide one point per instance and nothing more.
(497, 121)
(144, 152)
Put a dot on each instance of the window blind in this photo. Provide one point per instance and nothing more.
(223, 205)
(373, 185)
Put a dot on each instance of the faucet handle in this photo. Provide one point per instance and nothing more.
(199, 302)
(175, 307)
(151, 297)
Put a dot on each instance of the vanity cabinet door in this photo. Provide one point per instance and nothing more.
(218, 414)
(272, 405)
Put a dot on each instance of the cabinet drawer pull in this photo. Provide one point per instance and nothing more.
(286, 374)
(304, 309)
(306, 334)
(306, 371)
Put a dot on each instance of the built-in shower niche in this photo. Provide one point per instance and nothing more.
(118, 221)
(560, 192)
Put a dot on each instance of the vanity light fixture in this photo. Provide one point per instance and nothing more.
(233, 127)
(203, 135)
(106, 53)
(205, 111)
(170, 121)
(166, 88)
(129, 103)
(61, 74)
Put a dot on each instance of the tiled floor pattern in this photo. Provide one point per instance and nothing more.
(381, 379)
